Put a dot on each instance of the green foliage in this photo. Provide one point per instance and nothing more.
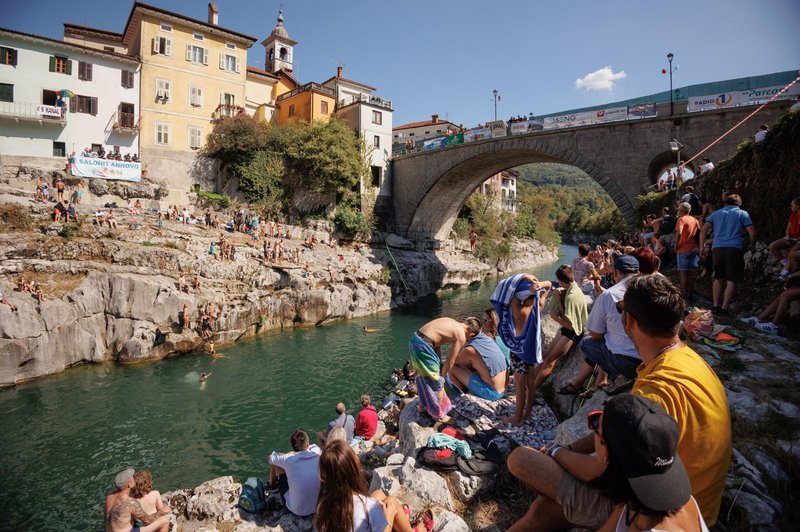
(214, 200)
(261, 180)
(352, 222)
(235, 140)
(162, 191)
(461, 227)
(67, 231)
(654, 202)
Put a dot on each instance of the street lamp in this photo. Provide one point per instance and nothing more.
(494, 92)
(671, 108)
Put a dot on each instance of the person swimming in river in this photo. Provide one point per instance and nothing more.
(370, 330)
(212, 352)
(204, 376)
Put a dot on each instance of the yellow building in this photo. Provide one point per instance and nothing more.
(193, 73)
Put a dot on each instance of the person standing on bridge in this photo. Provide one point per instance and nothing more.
(730, 224)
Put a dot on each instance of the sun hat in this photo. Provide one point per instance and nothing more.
(644, 437)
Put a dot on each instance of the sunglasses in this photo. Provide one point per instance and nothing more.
(593, 420)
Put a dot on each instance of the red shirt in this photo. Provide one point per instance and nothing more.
(367, 422)
(794, 225)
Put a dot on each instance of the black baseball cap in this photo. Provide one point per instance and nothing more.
(640, 433)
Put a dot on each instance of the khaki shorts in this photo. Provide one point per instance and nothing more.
(583, 505)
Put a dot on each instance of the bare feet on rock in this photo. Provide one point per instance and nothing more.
(511, 420)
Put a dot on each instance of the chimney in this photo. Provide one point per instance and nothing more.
(434, 119)
(339, 72)
(213, 13)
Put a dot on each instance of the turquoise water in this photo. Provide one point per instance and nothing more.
(64, 437)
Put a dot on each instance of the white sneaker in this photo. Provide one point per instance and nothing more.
(784, 273)
(767, 327)
(752, 320)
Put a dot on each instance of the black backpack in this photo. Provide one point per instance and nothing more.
(427, 457)
(694, 201)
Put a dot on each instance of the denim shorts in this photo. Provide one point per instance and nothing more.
(688, 261)
(597, 354)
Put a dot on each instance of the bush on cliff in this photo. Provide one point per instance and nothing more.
(352, 222)
(15, 217)
(765, 174)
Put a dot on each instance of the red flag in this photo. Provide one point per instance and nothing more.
(663, 70)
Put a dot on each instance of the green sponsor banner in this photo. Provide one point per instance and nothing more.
(455, 139)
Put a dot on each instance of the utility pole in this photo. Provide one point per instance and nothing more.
(494, 92)
(671, 104)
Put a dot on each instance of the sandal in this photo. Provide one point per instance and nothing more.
(426, 521)
(569, 389)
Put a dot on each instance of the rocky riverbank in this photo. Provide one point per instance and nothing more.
(112, 294)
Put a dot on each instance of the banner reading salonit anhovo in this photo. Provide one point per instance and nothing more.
(105, 169)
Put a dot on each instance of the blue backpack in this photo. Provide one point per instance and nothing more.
(252, 499)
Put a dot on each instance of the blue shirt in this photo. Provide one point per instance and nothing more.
(729, 226)
(347, 422)
(488, 350)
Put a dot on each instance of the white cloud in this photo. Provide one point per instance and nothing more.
(602, 79)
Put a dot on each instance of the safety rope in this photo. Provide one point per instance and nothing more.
(397, 269)
(745, 119)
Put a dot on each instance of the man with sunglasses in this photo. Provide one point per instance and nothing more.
(672, 375)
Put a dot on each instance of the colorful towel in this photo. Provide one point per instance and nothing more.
(430, 384)
(443, 441)
(527, 346)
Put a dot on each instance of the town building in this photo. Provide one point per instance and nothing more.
(59, 97)
(502, 187)
(370, 117)
(427, 129)
(193, 73)
(259, 94)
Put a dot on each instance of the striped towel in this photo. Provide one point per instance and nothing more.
(527, 346)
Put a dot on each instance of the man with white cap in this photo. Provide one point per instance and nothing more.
(121, 509)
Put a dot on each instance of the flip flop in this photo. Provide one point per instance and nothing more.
(426, 520)
(569, 389)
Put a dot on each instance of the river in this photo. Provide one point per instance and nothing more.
(64, 437)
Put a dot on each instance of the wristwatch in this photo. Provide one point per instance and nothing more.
(551, 452)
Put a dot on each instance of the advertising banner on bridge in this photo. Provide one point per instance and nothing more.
(521, 127)
(764, 94)
(434, 144)
(452, 140)
(498, 128)
(612, 114)
(477, 134)
(105, 169)
(710, 102)
(642, 110)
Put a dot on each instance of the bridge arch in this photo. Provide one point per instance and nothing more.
(440, 204)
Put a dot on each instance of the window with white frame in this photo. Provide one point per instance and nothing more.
(377, 117)
(163, 133)
(165, 27)
(195, 137)
(162, 46)
(228, 102)
(229, 62)
(163, 89)
(196, 54)
(195, 96)
(198, 36)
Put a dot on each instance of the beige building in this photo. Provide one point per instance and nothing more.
(502, 187)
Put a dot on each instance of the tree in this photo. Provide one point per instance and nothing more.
(261, 181)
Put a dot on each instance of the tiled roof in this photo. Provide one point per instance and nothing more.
(423, 123)
(69, 45)
(368, 87)
(260, 72)
(77, 28)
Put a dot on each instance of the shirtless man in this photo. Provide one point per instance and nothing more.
(480, 368)
(121, 509)
(425, 348)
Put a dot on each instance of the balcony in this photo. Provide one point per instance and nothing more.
(366, 98)
(33, 112)
(316, 87)
(225, 110)
(126, 123)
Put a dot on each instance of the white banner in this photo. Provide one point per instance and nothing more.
(105, 169)
(498, 128)
(477, 134)
(49, 110)
(525, 126)
(612, 114)
(708, 102)
(759, 96)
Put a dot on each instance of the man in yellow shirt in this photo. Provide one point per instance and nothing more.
(566, 478)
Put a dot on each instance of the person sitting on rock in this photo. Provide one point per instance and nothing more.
(480, 368)
(569, 310)
(296, 474)
(150, 501)
(343, 419)
(425, 348)
(110, 220)
(38, 293)
(5, 301)
(772, 316)
(671, 374)
(408, 373)
(59, 210)
(490, 322)
(196, 283)
(779, 248)
(121, 509)
(186, 319)
(367, 422)
(346, 504)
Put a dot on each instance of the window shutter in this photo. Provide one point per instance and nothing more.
(222, 60)
(156, 47)
(88, 72)
(52, 63)
(69, 67)
(236, 64)
(205, 56)
(188, 52)
(93, 106)
(14, 57)
(166, 46)
(200, 96)
(73, 104)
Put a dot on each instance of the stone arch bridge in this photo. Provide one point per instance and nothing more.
(429, 188)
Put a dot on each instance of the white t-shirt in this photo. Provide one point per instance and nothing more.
(706, 168)
(760, 135)
(368, 515)
(606, 320)
(302, 473)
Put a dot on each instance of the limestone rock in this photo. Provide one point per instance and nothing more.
(467, 487)
(415, 429)
(427, 486)
(398, 242)
(215, 499)
(447, 521)
(384, 479)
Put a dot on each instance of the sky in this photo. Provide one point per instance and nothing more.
(447, 56)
